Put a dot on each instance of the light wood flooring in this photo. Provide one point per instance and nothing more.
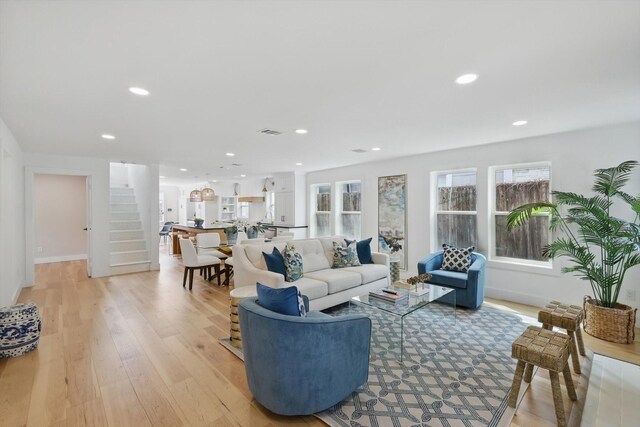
(139, 350)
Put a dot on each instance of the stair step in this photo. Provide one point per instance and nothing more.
(125, 191)
(117, 198)
(130, 267)
(120, 235)
(120, 225)
(124, 216)
(128, 245)
(123, 207)
(118, 258)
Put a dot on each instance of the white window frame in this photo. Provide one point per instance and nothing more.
(240, 207)
(313, 205)
(493, 213)
(434, 203)
(338, 207)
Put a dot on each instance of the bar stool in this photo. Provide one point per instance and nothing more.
(569, 318)
(547, 350)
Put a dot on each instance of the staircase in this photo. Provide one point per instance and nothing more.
(127, 245)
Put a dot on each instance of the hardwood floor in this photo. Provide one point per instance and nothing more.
(139, 350)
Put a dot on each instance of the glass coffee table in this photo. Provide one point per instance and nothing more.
(444, 297)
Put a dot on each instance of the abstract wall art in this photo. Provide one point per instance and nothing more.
(392, 217)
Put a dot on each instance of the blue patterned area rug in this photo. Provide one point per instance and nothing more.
(453, 374)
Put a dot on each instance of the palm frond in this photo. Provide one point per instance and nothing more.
(522, 214)
(610, 180)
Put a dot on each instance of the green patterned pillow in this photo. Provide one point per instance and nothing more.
(345, 256)
(292, 263)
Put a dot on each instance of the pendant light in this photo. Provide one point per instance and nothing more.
(195, 196)
(208, 195)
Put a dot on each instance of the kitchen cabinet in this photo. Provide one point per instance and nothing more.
(290, 199)
(227, 208)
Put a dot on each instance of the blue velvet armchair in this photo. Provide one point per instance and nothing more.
(469, 286)
(302, 365)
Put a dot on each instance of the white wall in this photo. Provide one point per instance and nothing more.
(118, 175)
(12, 250)
(574, 156)
(60, 216)
(98, 170)
(171, 201)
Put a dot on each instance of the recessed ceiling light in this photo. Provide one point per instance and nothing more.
(107, 136)
(183, 170)
(243, 176)
(162, 176)
(229, 154)
(301, 131)
(298, 164)
(214, 180)
(376, 149)
(465, 79)
(520, 123)
(139, 91)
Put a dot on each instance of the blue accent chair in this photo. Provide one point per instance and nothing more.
(302, 365)
(469, 286)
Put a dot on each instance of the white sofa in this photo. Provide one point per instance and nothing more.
(323, 285)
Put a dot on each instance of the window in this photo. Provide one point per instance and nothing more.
(456, 220)
(515, 186)
(320, 210)
(243, 210)
(348, 220)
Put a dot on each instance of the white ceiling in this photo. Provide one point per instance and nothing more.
(356, 74)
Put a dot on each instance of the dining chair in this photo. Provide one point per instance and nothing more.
(166, 230)
(192, 261)
(207, 244)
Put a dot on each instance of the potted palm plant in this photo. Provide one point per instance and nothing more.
(600, 246)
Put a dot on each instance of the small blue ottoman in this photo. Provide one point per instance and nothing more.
(19, 329)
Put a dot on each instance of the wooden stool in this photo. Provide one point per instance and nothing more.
(237, 295)
(547, 350)
(569, 318)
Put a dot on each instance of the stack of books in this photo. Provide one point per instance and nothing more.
(389, 295)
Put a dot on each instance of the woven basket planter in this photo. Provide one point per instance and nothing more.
(609, 324)
(19, 329)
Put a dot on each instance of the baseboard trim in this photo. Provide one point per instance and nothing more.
(518, 297)
(48, 260)
(16, 294)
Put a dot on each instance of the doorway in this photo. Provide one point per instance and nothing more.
(61, 218)
(58, 219)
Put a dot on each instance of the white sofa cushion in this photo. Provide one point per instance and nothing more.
(310, 287)
(313, 258)
(337, 278)
(327, 245)
(370, 272)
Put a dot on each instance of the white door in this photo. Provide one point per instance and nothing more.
(88, 227)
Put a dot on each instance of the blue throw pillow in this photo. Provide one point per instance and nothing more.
(281, 300)
(364, 250)
(274, 261)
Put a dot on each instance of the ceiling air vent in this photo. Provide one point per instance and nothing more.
(268, 131)
(359, 150)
